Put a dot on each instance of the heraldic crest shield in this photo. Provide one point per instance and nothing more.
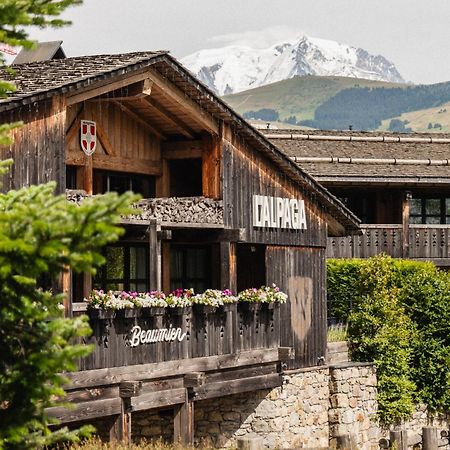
(88, 137)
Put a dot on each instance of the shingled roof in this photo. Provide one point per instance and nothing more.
(40, 80)
(368, 157)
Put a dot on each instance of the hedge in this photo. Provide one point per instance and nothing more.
(398, 314)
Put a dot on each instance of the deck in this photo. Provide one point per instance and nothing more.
(423, 242)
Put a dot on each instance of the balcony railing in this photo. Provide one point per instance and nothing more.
(430, 242)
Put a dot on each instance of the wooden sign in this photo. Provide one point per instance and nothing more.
(278, 212)
(88, 137)
(139, 336)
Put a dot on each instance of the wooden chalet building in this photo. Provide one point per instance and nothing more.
(397, 184)
(222, 208)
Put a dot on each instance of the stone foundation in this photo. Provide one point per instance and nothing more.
(313, 409)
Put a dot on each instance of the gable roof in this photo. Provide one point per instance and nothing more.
(368, 157)
(40, 80)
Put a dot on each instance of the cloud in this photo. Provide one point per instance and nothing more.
(257, 38)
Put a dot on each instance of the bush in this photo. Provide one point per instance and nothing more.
(398, 314)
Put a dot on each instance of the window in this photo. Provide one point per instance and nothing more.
(430, 210)
(121, 182)
(190, 267)
(126, 268)
(71, 177)
(185, 177)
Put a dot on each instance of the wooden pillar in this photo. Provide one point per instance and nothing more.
(121, 428)
(429, 438)
(66, 284)
(87, 284)
(155, 256)
(398, 439)
(184, 413)
(405, 222)
(88, 176)
(228, 278)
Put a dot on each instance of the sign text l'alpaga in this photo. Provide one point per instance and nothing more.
(278, 212)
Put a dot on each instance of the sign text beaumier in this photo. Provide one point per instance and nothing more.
(278, 212)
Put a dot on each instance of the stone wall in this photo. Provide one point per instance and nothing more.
(313, 409)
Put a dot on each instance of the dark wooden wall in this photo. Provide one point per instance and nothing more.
(246, 173)
(38, 146)
(300, 272)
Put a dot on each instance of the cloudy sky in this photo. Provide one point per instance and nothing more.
(413, 34)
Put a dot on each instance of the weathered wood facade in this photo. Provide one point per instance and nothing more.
(163, 134)
(397, 184)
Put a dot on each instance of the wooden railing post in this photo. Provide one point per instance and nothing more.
(405, 222)
(121, 429)
(155, 256)
(184, 413)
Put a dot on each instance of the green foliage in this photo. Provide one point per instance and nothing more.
(365, 108)
(400, 321)
(399, 126)
(41, 235)
(16, 18)
(380, 331)
(262, 114)
(428, 302)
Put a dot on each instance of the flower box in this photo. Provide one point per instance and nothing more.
(128, 313)
(180, 311)
(153, 311)
(204, 309)
(251, 306)
(228, 307)
(101, 314)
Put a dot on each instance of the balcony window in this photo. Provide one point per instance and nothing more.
(190, 267)
(126, 268)
(120, 182)
(430, 211)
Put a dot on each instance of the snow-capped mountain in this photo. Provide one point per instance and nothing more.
(236, 68)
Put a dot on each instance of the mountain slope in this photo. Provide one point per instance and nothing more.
(365, 108)
(236, 68)
(298, 96)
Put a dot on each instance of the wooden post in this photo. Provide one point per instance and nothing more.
(121, 429)
(155, 256)
(88, 178)
(87, 284)
(405, 222)
(429, 438)
(66, 278)
(399, 439)
(228, 279)
(184, 413)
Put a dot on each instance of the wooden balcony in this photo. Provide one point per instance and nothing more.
(169, 358)
(424, 242)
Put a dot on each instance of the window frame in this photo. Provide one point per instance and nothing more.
(444, 217)
(103, 281)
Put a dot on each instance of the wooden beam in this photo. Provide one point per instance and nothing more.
(182, 154)
(88, 175)
(141, 121)
(74, 127)
(222, 388)
(116, 163)
(178, 96)
(103, 137)
(86, 410)
(169, 116)
(107, 86)
(158, 399)
(114, 375)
